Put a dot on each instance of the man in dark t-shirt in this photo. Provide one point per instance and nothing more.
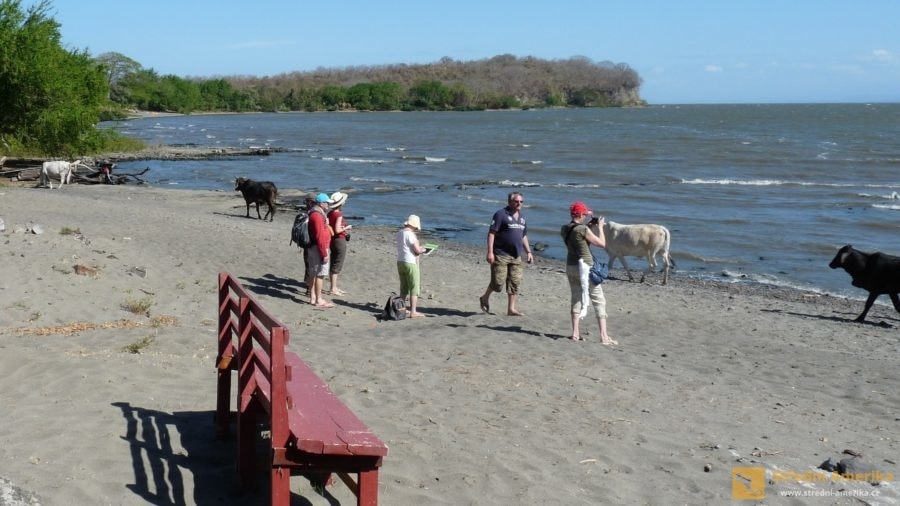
(507, 243)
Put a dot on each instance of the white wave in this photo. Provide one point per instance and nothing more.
(346, 159)
(771, 182)
(423, 158)
(520, 145)
(751, 182)
(892, 207)
(367, 180)
(574, 185)
(507, 182)
(394, 149)
(210, 136)
(526, 162)
(888, 186)
(892, 196)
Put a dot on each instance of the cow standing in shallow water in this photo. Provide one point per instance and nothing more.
(58, 170)
(876, 272)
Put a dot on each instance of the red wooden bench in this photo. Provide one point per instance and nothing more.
(312, 432)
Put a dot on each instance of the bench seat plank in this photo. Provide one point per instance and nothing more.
(320, 422)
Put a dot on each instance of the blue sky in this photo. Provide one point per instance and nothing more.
(686, 51)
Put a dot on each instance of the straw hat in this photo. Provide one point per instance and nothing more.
(338, 199)
(413, 221)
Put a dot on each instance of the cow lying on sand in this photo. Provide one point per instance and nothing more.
(57, 170)
(876, 272)
(644, 240)
(258, 192)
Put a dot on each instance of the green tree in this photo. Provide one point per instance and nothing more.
(386, 96)
(50, 97)
(141, 89)
(333, 97)
(215, 95)
(360, 96)
(430, 95)
(117, 66)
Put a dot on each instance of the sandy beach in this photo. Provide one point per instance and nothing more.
(103, 405)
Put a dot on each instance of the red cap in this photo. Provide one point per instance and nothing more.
(579, 207)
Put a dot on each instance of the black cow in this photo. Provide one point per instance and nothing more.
(258, 192)
(876, 272)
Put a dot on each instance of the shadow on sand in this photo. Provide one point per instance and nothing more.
(168, 447)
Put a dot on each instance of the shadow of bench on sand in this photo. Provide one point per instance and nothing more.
(165, 447)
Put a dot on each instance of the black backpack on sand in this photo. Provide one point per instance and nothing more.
(395, 308)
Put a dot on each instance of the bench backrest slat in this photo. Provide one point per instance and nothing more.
(280, 431)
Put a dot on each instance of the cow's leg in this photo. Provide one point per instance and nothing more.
(627, 270)
(258, 216)
(665, 268)
(896, 300)
(248, 209)
(651, 266)
(871, 300)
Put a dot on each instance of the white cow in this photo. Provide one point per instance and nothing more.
(638, 241)
(57, 170)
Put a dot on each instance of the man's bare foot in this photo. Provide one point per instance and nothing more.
(577, 338)
(515, 312)
(415, 315)
(609, 341)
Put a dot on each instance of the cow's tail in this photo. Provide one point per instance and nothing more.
(669, 258)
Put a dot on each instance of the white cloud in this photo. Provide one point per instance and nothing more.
(713, 68)
(882, 55)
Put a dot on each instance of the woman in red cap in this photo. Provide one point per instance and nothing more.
(578, 238)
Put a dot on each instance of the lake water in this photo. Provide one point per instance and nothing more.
(751, 193)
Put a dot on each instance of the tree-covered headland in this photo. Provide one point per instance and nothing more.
(501, 82)
(52, 97)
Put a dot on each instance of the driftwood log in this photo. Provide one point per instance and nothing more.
(95, 176)
(98, 177)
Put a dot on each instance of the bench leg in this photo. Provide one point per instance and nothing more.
(281, 486)
(246, 446)
(223, 402)
(367, 493)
